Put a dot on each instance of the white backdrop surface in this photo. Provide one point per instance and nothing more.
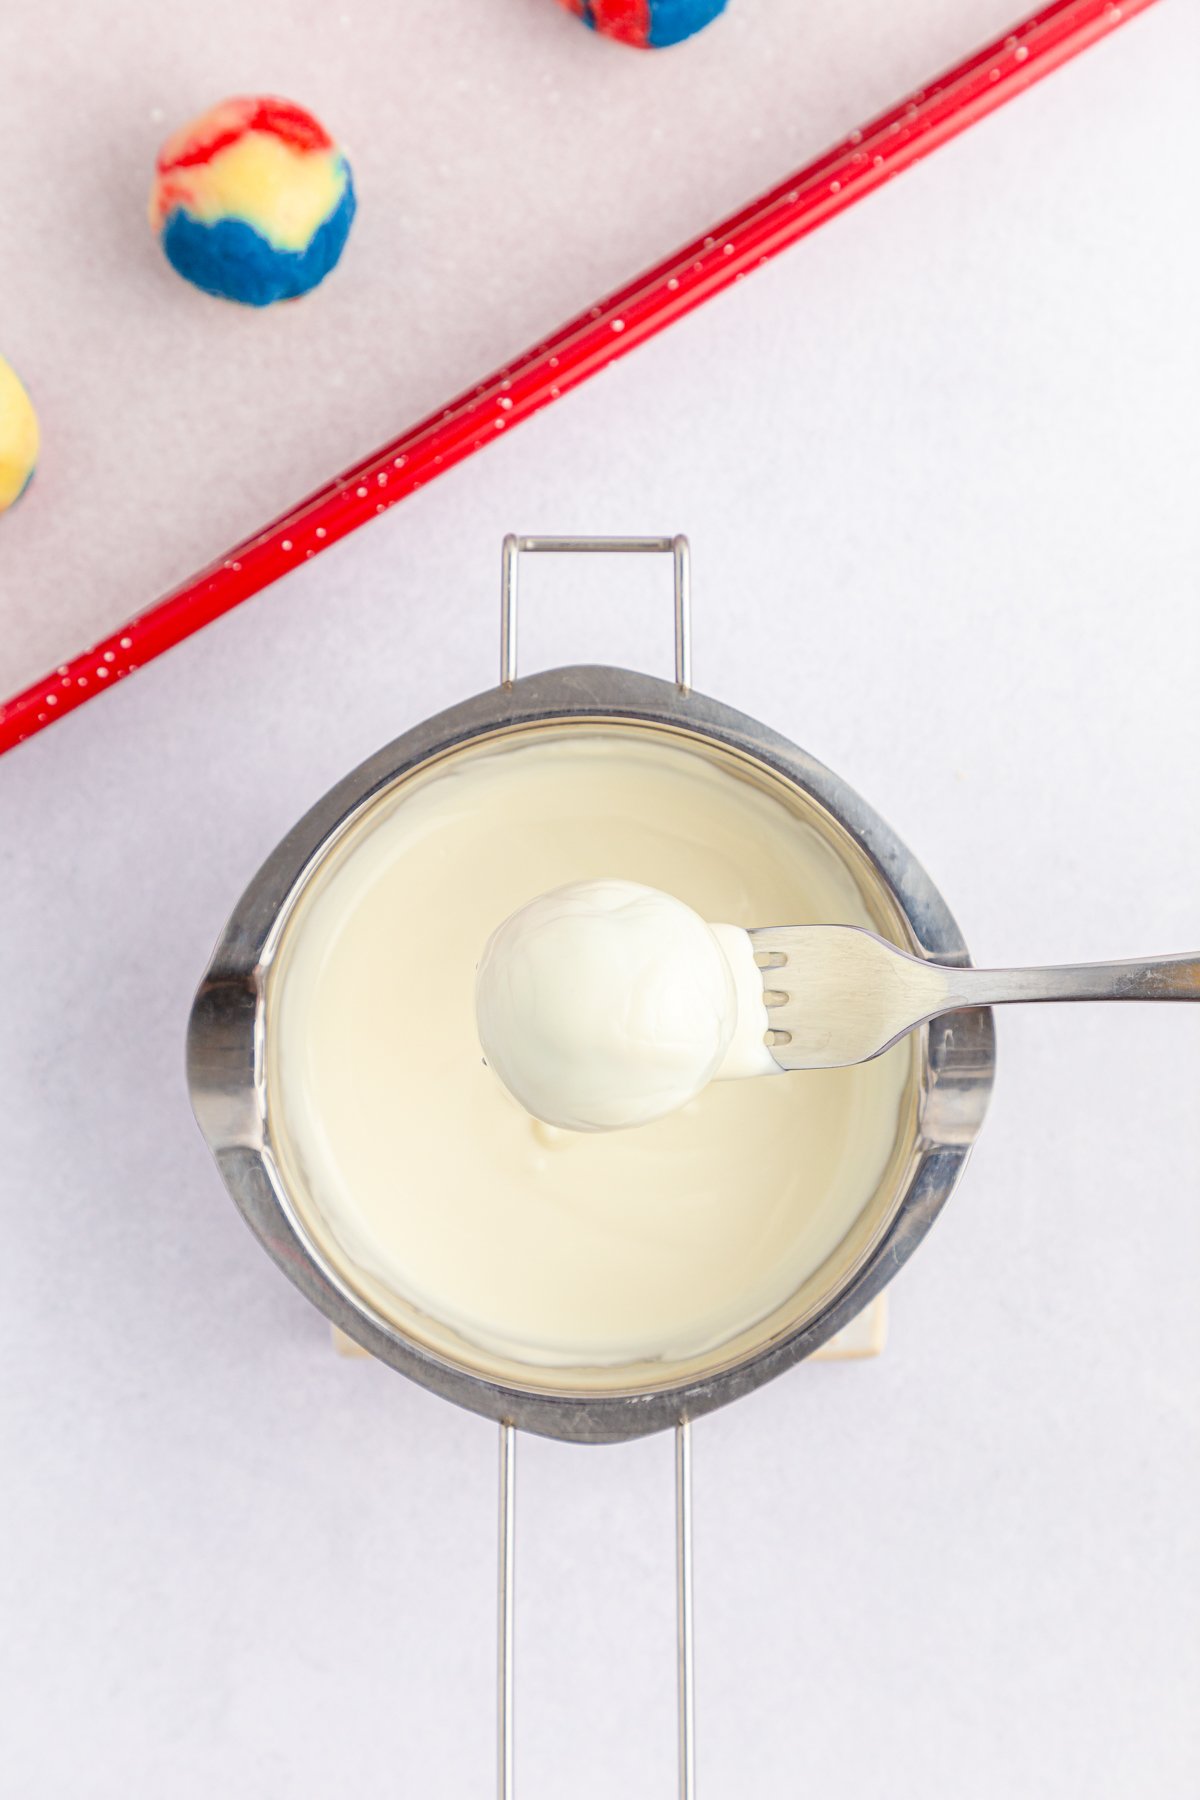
(939, 466)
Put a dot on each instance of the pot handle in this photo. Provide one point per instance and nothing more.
(675, 547)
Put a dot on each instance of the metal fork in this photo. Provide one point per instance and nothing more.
(836, 994)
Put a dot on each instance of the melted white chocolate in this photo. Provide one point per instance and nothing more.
(428, 1187)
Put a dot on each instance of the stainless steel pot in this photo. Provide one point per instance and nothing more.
(226, 1035)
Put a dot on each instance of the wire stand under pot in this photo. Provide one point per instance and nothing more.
(677, 549)
(685, 1656)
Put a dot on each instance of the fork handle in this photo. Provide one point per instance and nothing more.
(1156, 978)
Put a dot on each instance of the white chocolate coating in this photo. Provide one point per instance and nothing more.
(606, 1004)
(747, 1053)
(498, 1239)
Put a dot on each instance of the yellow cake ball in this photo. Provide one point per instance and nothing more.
(19, 437)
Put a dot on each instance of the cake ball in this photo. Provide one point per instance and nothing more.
(646, 24)
(19, 437)
(252, 201)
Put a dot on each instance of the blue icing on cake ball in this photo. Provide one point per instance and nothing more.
(646, 24)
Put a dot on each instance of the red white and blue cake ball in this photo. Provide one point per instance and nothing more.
(253, 201)
(646, 24)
